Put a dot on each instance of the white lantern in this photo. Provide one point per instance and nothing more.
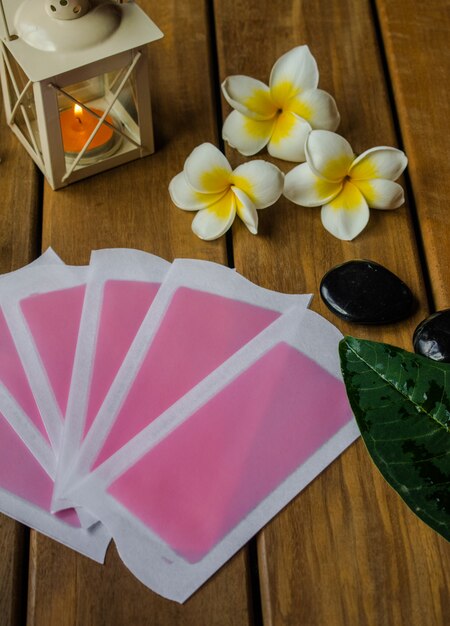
(75, 83)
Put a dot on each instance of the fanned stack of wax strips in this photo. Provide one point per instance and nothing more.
(175, 407)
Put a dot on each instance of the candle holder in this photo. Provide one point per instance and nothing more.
(76, 84)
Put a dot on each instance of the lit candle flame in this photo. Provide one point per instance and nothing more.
(78, 112)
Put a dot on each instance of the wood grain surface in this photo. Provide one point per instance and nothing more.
(346, 551)
(347, 548)
(418, 57)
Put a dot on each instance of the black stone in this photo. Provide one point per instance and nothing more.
(432, 337)
(364, 292)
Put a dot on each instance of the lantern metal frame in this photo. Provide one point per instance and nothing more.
(124, 52)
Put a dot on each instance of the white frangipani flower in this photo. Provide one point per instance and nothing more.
(282, 114)
(345, 186)
(208, 185)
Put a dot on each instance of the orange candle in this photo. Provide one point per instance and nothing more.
(77, 125)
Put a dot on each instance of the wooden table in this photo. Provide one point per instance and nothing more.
(346, 551)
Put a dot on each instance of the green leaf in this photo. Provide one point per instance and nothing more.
(401, 402)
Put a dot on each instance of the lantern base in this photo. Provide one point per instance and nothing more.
(39, 30)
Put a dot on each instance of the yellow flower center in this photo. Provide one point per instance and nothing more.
(349, 199)
(337, 169)
(261, 102)
(222, 207)
(365, 169)
(283, 128)
(258, 129)
(220, 181)
(215, 179)
(281, 93)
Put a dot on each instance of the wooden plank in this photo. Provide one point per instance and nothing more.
(13, 547)
(67, 589)
(347, 550)
(419, 63)
(19, 206)
(130, 207)
(19, 216)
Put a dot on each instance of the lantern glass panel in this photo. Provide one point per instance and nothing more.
(81, 105)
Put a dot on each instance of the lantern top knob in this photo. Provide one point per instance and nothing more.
(67, 9)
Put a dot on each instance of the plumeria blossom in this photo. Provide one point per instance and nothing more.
(208, 185)
(280, 115)
(345, 186)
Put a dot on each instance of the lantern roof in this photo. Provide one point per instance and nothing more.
(45, 46)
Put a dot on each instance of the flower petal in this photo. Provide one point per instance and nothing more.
(380, 193)
(317, 107)
(249, 96)
(261, 181)
(303, 187)
(185, 197)
(328, 155)
(347, 214)
(246, 210)
(294, 72)
(245, 134)
(288, 137)
(381, 162)
(213, 222)
(207, 169)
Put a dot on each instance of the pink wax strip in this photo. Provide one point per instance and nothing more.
(54, 322)
(198, 333)
(13, 377)
(124, 306)
(23, 476)
(200, 481)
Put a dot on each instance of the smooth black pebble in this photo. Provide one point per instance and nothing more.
(365, 292)
(432, 337)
